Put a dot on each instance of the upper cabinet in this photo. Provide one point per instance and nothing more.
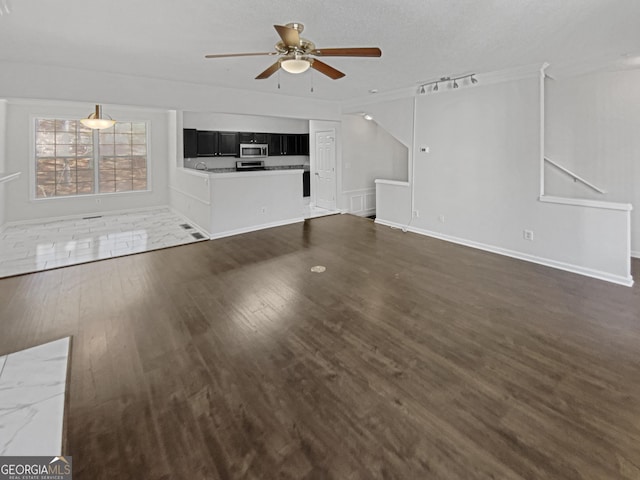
(228, 144)
(288, 144)
(205, 143)
(190, 142)
(216, 144)
(252, 137)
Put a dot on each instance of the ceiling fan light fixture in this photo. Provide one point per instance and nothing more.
(96, 121)
(295, 65)
(368, 117)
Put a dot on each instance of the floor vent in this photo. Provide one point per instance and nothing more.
(197, 236)
(186, 226)
(91, 218)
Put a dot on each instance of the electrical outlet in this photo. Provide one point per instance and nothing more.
(416, 214)
(528, 235)
(441, 218)
(424, 149)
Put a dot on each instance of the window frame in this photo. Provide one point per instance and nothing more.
(33, 170)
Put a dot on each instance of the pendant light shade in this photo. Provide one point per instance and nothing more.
(96, 121)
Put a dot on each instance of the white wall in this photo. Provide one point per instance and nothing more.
(592, 127)
(34, 81)
(395, 116)
(254, 200)
(244, 123)
(368, 152)
(479, 184)
(20, 158)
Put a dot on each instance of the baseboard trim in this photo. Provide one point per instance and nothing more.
(588, 272)
(635, 253)
(239, 231)
(363, 213)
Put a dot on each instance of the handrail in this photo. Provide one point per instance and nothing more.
(8, 177)
(574, 176)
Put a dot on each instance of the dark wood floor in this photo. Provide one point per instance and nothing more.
(409, 358)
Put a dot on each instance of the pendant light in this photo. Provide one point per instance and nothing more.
(96, 120)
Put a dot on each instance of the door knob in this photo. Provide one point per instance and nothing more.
(317, 174)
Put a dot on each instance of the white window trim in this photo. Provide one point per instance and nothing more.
(33, 171)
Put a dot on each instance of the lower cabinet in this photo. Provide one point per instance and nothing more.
(306, 184)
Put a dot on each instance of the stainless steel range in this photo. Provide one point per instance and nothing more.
(249, 165)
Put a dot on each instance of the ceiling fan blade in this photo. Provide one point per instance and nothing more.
(328, 70)
(269, 71)
(224, 55)
(289, 36)
(348, 52)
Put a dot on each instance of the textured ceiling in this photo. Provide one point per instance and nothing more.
(420, 39)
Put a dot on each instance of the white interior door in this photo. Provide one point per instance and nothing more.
(325, 174)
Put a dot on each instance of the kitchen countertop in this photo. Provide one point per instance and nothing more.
(232, 172)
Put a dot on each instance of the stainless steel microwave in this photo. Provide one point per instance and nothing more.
(254, 150)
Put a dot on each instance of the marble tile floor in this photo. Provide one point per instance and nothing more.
(32, 393)
(314, 212)
(35, 247)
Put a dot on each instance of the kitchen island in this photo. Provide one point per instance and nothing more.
(241, 202)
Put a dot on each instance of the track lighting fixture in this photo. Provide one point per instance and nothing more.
(453, 82)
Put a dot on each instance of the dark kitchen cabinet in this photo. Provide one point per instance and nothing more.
(252, 137)
(207, 143)
(303, 144)
(288, 144)
(217, 144)
(190, 142)
(275, 144)
(228, 144)
(291, 144)
(306, 184)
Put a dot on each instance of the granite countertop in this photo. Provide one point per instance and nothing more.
(232, 169)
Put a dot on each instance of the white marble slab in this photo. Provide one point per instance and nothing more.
(32, 391)
(42, 246)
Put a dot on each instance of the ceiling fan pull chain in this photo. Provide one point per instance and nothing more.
(278, 79)
(311, 82)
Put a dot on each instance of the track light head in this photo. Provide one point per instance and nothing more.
(435, 87)
(455, 84)
(422, 90)
(474, 80)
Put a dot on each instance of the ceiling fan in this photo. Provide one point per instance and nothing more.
(297, 53)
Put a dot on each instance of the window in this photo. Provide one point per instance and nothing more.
(72, 159)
